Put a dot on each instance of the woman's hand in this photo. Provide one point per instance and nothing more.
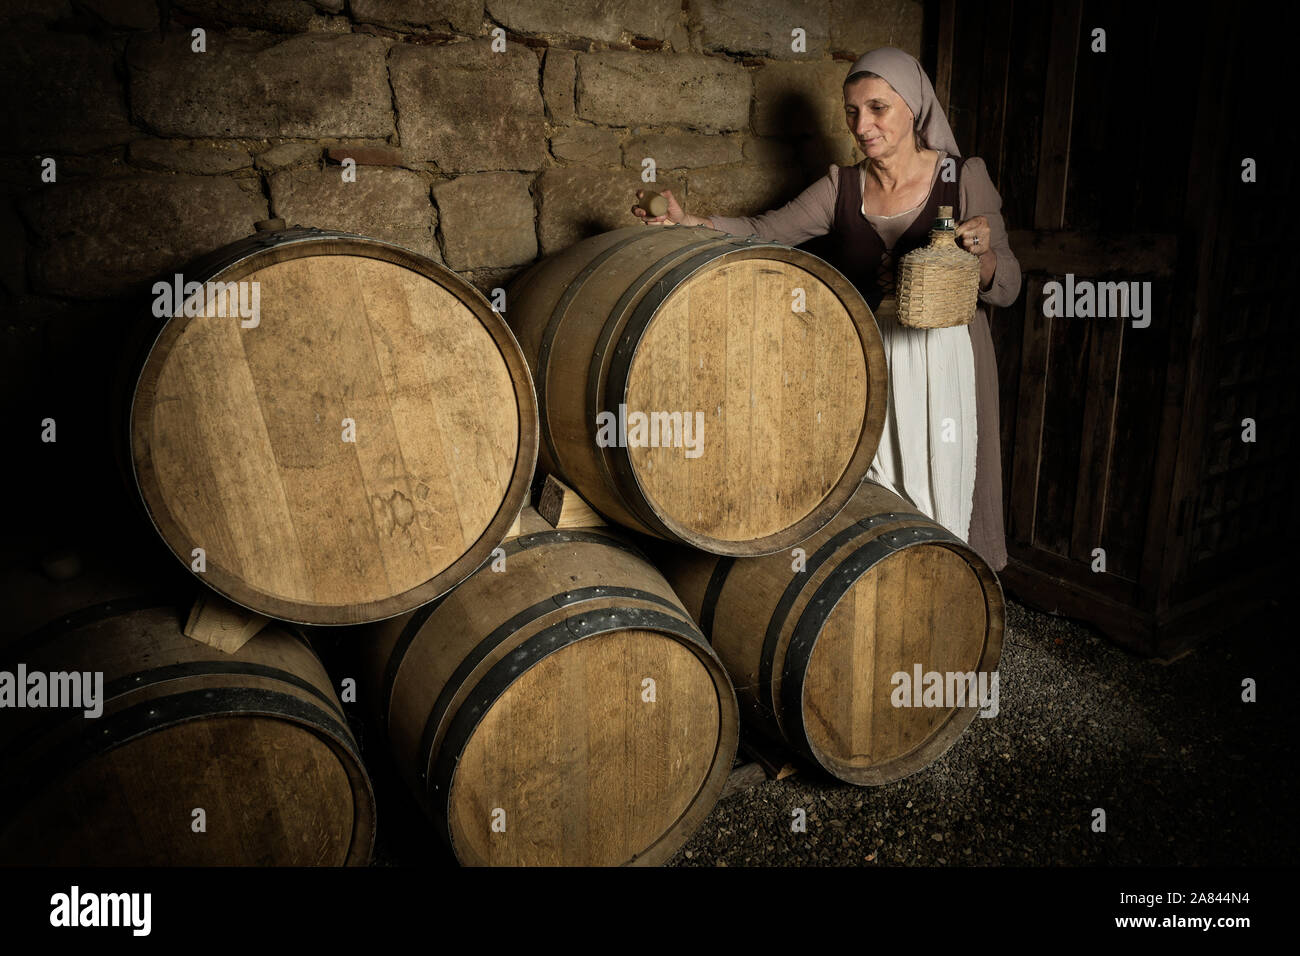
(675, 215)
(973, 235)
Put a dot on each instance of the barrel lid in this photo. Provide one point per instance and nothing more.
(330, 429)
(614, 765)
(750, 385)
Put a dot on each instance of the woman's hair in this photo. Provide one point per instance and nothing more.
(860, 75)
(867, 74)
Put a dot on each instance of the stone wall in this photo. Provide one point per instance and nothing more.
(482, 158)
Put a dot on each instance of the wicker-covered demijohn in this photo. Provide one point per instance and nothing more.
(938, 284)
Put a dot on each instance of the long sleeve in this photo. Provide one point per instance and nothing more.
(807, 215)
(987, 535)
(979, 197)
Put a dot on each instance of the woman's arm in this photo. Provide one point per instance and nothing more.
(979, 197)
(807, 215)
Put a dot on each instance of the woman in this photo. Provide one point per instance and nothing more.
(940, 448)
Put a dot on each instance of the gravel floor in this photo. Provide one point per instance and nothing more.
(1186, 772)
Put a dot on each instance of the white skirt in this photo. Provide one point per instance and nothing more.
(927, 450)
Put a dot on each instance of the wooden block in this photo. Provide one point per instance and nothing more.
(562, 507)
(743, 777)
(773, 757)
(221, 624)
(528, 522)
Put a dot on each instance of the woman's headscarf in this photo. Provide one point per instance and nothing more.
(901, 71)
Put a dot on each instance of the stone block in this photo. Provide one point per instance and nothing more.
(811, 154)
(597, 19)
(794, 99)
(577, 202)
(742, 190)
(469, 109)
(487, 220)
(366, 155)
(327, 24)
(287, 154)
(654, 89)
(762, 27)
(308, 87)
(99, 238)
(558, 76)
(681, 150)
(587, 145)
(461, 16)
(198, 157)
(861, 25)
(391, 204)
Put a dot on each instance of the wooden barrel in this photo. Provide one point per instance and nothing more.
(697, 324)
(353, 454)
(814, 639)
(563, 711)
(257, 740)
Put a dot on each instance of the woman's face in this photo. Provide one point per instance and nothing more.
(878, 117)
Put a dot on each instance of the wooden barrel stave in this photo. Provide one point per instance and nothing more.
(257, 739)
(495, 689)
(810, 651)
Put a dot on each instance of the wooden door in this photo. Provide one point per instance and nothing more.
(1094, 183)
